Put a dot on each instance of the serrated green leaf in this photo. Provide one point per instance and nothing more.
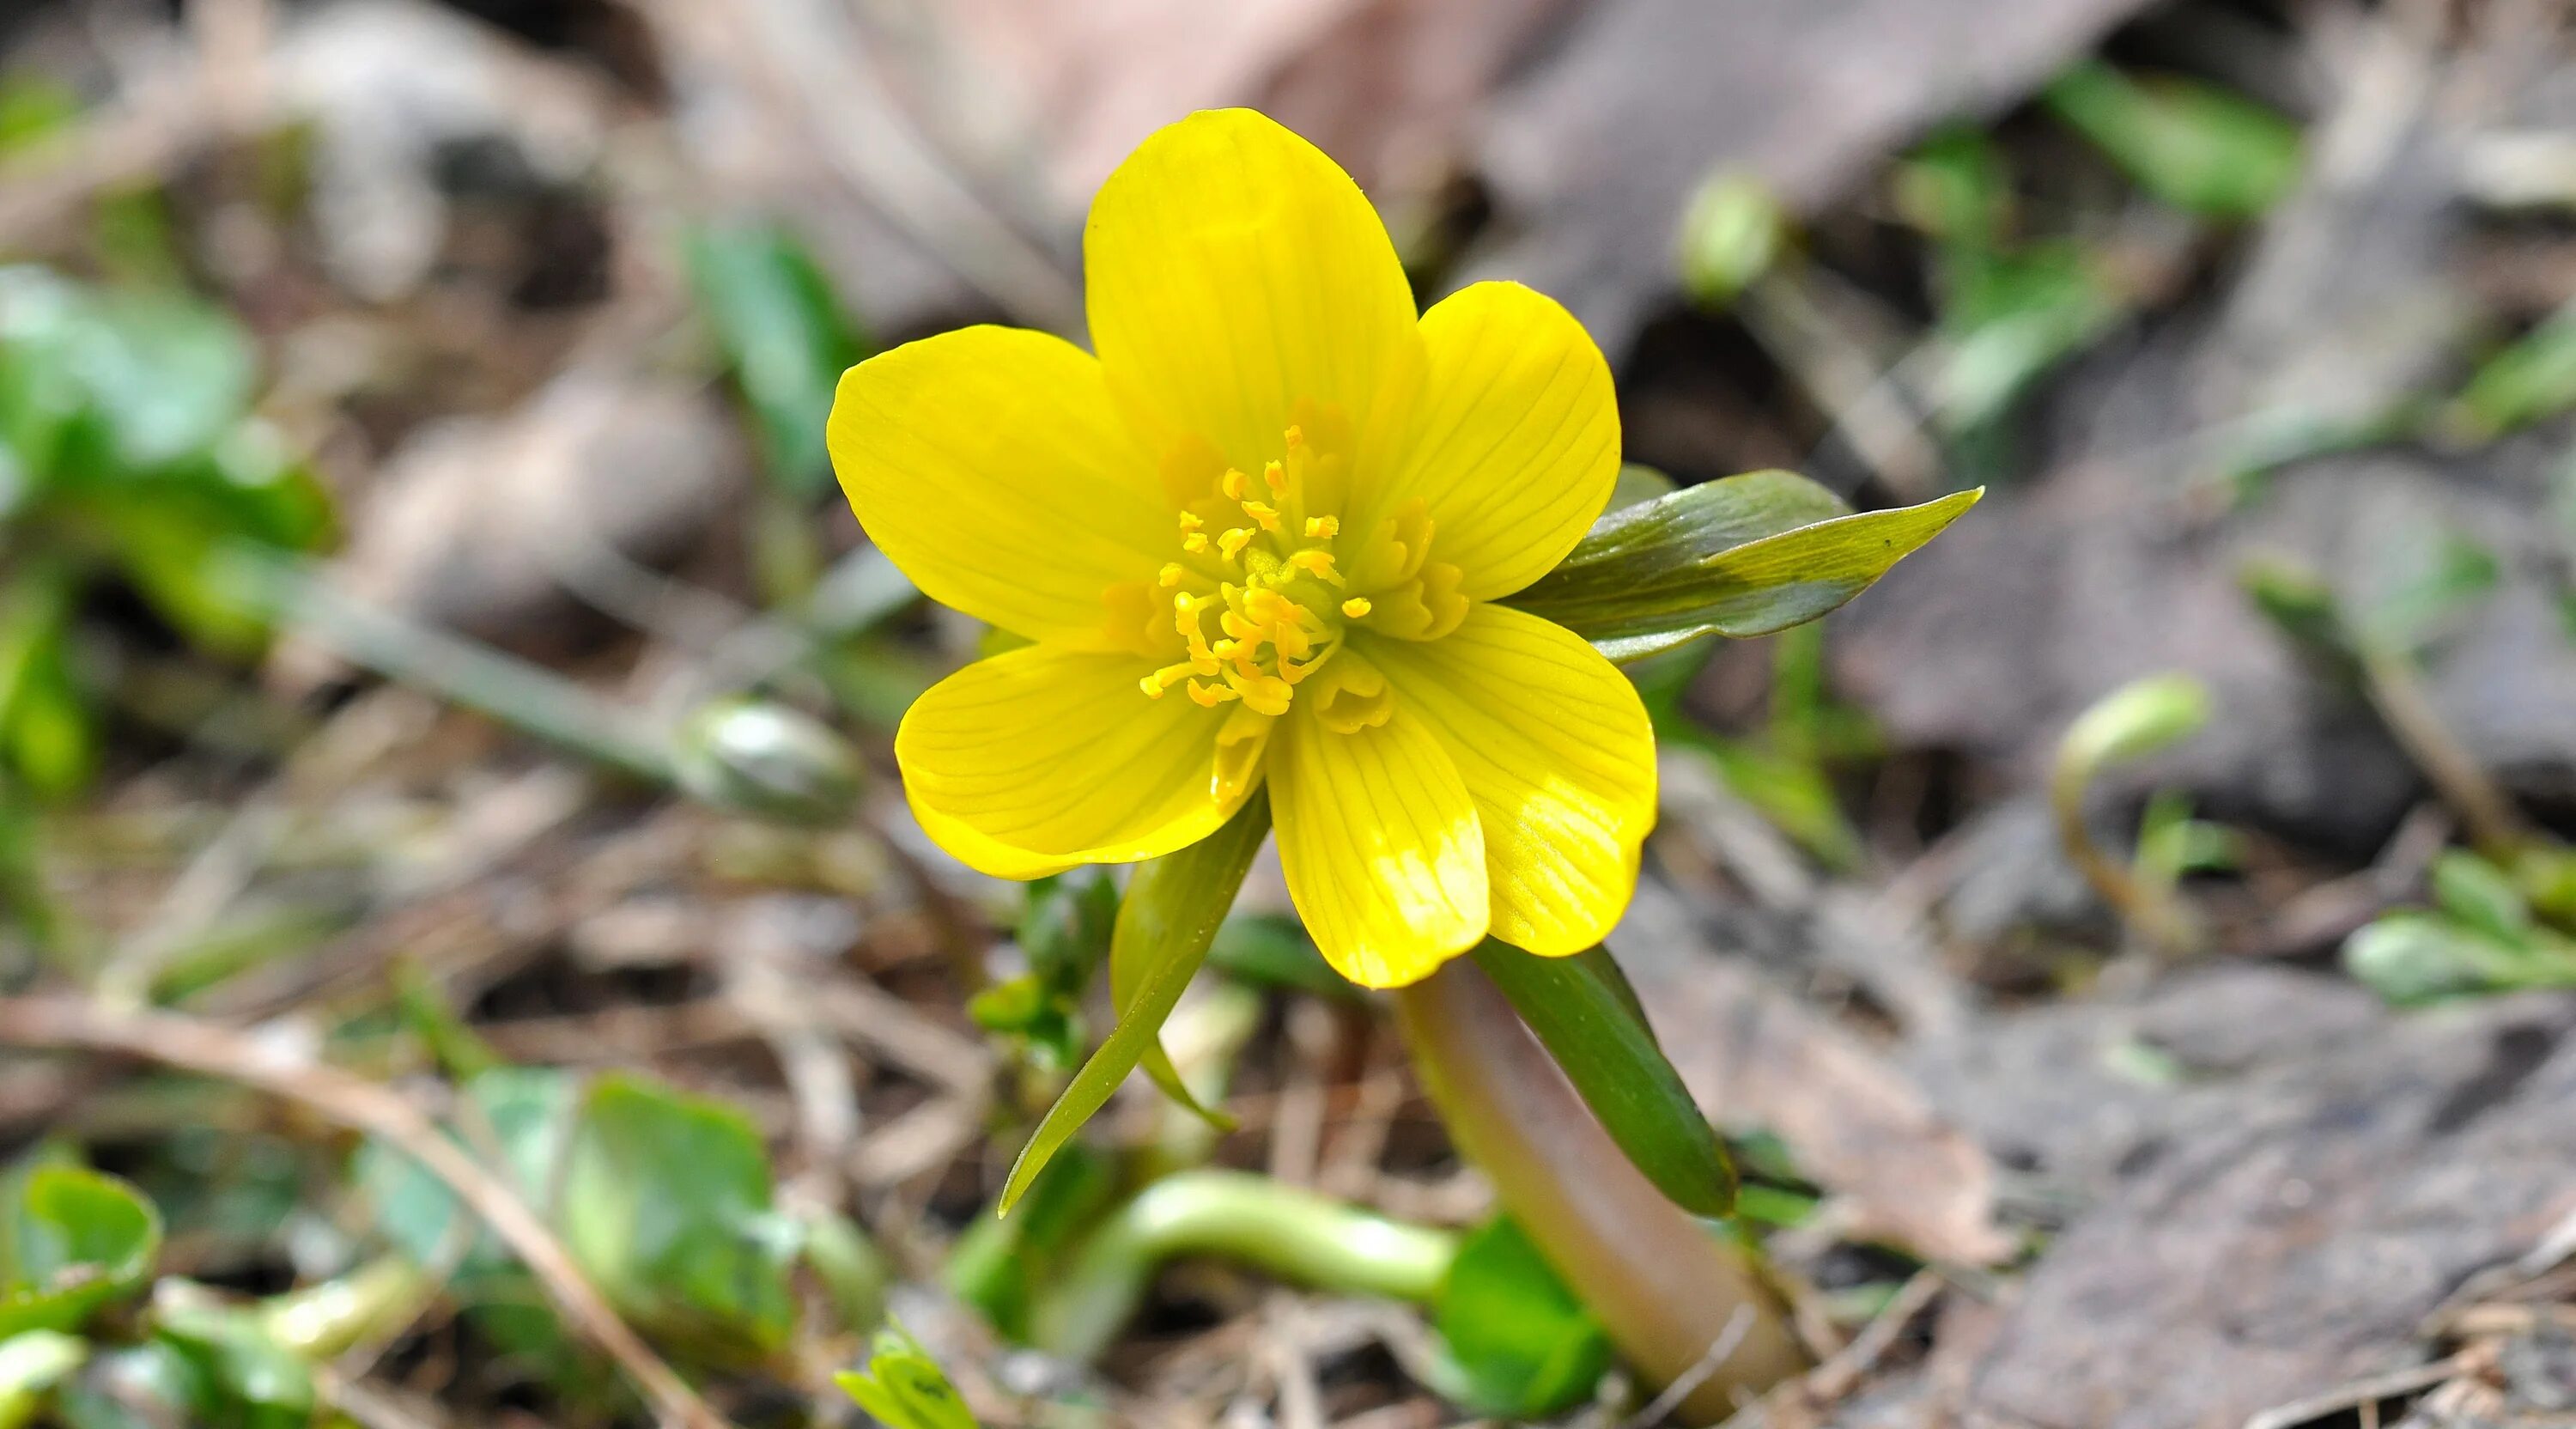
(73, 1240)
(1521, 1345)
(785, 336)
(667, 1206)
(1171, 911)
(903, 1387)
(2203, 149)
(1757, 554)
(1590, 1021)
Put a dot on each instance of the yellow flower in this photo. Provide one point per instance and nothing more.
(1261, 537)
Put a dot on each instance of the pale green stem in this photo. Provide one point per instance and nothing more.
(1286, 1230)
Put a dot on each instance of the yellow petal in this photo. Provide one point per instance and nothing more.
(1234, 273)
(992, 466)
(1379, 841)
(1554, 746)
(1046, 757)
(1515, 437)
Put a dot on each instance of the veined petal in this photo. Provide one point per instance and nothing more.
(1045, 757)
(1378, 838)
(1235, 272)
(992, 466)
(1554, 746)
(1514, 442)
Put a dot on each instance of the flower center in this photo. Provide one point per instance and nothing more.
(1257, 597)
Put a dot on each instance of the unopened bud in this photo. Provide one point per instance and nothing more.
(768, 759)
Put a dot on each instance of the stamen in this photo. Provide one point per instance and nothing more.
(1268, 516)
(1194, 543)
(1210, 696)
(1317, 563)
(1191, 521)
(1236, 488)
(1275, 477)
(1171, 575)
(1231, 544)
(1323, 528)
(1356, 608)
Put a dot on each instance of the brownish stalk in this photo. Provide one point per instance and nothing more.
(1668, 1290)
(76, 1024)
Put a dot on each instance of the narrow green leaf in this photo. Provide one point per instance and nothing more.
(902, 1387)
(1591, 1022)
(784, 334)
(1749, 562)
(2201, 148)
(2529, 381)
(1171, 911)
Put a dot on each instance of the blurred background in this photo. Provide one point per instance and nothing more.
(432, 645)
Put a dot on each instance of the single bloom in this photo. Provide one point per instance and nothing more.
(1262, 538)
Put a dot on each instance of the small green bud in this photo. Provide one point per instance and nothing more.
(1731, 236)
(2133, 721)
(767, 759)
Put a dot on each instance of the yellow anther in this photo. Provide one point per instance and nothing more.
(1152, 685)
(1356, 608)
(1209, 695)
(1191, 520)
(1236, 487)
(1171, 574)
(1323, 528)
(1296, 437)
(1275, 477)
(1268, 516)
(1194, 543)
(1318, 564)
(1231, 544)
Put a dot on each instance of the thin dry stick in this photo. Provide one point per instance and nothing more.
(75, 1024)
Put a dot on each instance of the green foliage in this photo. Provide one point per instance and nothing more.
(1064, 933)
(2203, 149)
(2011, 317)
(768, 759)
(1731, 235)
(1741, 556)
(1172, 911)
(243, 1378)
(2480, 936)
(785, 337)
(1589, 1019)
(72, 1241)
(902, 1387)
(2529, 381)
(666, 1205)
(32, 1362)
(1518, 1343)
(2140, 718)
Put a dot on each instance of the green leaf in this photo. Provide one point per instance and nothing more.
(2530, 381)
(46, 737)
(74, 1240)
(999, 1264)
(1589, 1019)
(667, 1206)
(1273, 950)
(2203, 149)
(31, 1364)
(2140, 718)
(245, 1380)
(2480, 895)
(903, 1387)
(785, 336)
(1731, 235)
(1171, 911)
(528, 1111)
(2414, 956)
(2011, 318)
(1743, 556)
(1521, 1345)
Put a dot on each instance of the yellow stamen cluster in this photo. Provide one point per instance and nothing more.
(1271, 583)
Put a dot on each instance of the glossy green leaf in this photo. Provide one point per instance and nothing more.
(2203, 149)
(784, 335)
(1171, 911)
(1589, 1019)
(1519, 1343)
(72, 1241)
(31, 1364)
(1744, 556)
(666, 1204)
(902, 1387)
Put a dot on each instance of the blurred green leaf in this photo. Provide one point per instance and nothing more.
(2478, 894)
(2011, 318)
(528, 1111)
(1521, 1344)
(2417, 956)
(1589, 1019)
(145, 378)
(768, 759)
(246, 1380)
(1743, 556)
(1955, 189)
(34, 107)
(74, 1240)
(666, 1204)
(46, 738)
(2203, 149)
(32, 1362)
(1272, 950)
(902, 1387)
(1171, 911)
(853, 1272)
(998, 1264)
(146, 1386)
(785, 335)
(2531, 380)
(1731, 235)
(2428, 579)
(2140, 718)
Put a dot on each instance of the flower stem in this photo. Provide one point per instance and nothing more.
(1666, 1288)
(1287, 1230)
